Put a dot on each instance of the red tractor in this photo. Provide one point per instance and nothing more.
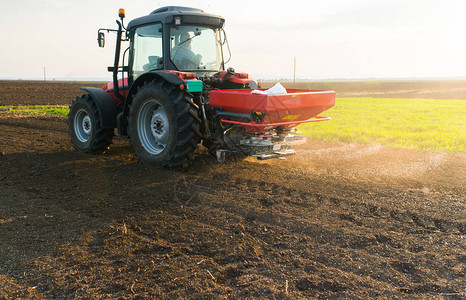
(174, 92)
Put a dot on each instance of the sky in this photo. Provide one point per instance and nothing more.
(330, 39)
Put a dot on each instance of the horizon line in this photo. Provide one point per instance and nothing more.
(97, 79)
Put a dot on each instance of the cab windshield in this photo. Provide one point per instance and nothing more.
(195, 48)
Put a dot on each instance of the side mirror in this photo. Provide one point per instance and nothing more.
(101, 39)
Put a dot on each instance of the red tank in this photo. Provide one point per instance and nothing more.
(287, 110)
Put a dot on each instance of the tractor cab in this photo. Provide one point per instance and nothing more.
(176, 38)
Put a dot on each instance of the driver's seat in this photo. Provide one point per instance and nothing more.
(155, 62)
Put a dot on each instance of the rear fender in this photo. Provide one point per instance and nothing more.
(149, 76)
(105, 105)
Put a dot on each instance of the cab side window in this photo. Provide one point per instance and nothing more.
(147, 49)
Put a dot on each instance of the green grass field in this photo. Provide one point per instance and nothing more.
(37, 109)
(438, 125)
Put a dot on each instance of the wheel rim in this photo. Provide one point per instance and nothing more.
(153, 127)
(82, 125)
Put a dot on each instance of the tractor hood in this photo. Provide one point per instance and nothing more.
(186, 15)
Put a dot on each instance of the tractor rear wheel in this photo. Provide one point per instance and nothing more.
(84, 127)
(163, 125)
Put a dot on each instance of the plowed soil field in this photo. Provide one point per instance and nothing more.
(334, 221)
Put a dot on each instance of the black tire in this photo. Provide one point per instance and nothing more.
(163, 125)
(84, 127)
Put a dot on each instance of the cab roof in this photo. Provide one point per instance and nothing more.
(187, 15)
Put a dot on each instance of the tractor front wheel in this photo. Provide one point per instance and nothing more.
(163, 125)
(84, 127)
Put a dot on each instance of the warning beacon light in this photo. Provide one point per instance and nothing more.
(121, 13)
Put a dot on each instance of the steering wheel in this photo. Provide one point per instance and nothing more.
(213, 65)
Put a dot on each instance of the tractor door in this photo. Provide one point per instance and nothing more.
(146, 49)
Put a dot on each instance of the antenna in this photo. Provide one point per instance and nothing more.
(294, 71)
